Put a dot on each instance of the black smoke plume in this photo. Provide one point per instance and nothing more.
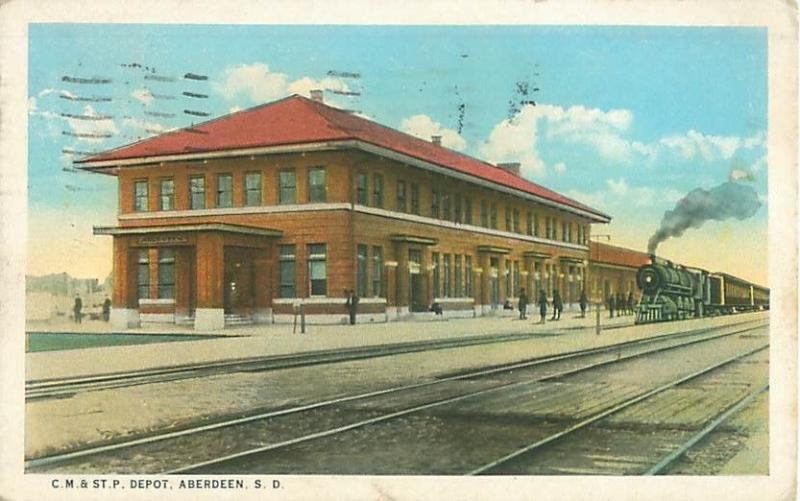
(728, 200)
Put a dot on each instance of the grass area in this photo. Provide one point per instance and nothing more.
(54, 341)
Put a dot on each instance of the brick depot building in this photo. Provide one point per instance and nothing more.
(246, 217)
(612, 270)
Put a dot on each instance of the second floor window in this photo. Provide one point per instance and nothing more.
(361, 189)
(316, 185)
(468, 210)
(457, 208)
(414, 198)
(377, 191)
(197, 192)
(515, 220)
(493, 216)
(435, 204)
(529, 226)
(252, 189)
(167, 195)
(484, 214)
(508, 219)
(287, 187)
(446, 206)
(401, 196)
(140, 195)
(224, 190)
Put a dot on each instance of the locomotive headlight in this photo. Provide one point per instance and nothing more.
(648, 279)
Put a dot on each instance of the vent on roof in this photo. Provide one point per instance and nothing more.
(437, 140)
(316, 95)
(512, 167)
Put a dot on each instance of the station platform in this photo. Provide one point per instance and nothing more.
(233, 343)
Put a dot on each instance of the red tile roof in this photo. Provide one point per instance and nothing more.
(298, 120)
(619, 256)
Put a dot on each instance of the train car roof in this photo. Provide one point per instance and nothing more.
(741, 280)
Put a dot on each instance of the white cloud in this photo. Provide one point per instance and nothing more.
(672, 195)
(143, 125)
(143, 96)
(424, 127)
(101, 126)
(48, 91)
(257, 83)
(560, 168)
(515, 140)
(708, 147)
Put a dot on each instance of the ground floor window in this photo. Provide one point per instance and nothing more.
(509, 284)
(377, 271)
(166, 273)
(287, 271)
(468, 275)
(516, 279)
(458, 273)
(436, 281)
(143, 274)
(361, 270)
(317, 270)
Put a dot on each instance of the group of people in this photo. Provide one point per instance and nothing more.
(619, 304)
(77, 310)
(557, 304)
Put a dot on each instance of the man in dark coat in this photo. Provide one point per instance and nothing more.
(76, 309)
(583, 303)
(352, 306)
(106, 309)
(612, 303)
(629, 303)
(523, 305)
(558, 306)
(542, 306)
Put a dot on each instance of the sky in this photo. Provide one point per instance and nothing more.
(626, 119)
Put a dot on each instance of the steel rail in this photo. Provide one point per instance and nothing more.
(68, 456)
(608, 412)
(668, 460)
(53, 388)
(412, 410)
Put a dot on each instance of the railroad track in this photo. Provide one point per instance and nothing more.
(67, 387)
(577, 362)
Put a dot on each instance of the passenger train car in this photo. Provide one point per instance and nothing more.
(675, 292)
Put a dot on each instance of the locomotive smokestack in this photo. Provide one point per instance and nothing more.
(728, 200)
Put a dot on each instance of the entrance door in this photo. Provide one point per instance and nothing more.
(238, 281)
(415, 299)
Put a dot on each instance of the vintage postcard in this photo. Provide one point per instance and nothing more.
(511, 250)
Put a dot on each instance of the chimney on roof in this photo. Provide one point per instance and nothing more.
(511, 167)
(437, 140)
(316, 95)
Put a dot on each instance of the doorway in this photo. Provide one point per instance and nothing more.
(416, 301)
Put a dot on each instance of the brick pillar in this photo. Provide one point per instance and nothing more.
(184, 276)
(263, 262)
(124, 303)
(210, 314)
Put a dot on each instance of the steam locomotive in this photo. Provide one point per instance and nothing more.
(675, 292)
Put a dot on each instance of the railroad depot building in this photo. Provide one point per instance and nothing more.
(612, 270)
(247, 217)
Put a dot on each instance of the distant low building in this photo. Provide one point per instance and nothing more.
(613, 270)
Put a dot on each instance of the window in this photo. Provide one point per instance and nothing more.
(468, 276)
(435, 204)
(515, 220)
(361, 270)
(564, 231)
(529, 225)
(493, 216)
(252, 189)
(484, 214)
(166, 273)
(536, 225)
(414, 198)
(458, 289)
(140, 195)
(569, 232)
(377, 271)
(317, 270)
(436, 281)
(361, 189)
(585, 235)
(197, 192)
(377, 190)
(287, 187)
(224, 190)
(467, 210)
(548, 223)
(509, 275)
(143, 274)
(167, 194)
(400, 203)
(447, 289)
(516, 279)
(457, 208)
(445, 206)
(537, 278)
(508, 226)
(286, 261)
(316, 185)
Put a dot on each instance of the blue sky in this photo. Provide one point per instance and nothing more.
(627, 119)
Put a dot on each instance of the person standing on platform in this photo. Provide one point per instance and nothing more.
(629, 303)
(542, 306)
(76, 309)
(523, 305)
(583, 303)
(106, 309)
(558, 306)
(621, 304)
(352, 306)
(612, 303)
